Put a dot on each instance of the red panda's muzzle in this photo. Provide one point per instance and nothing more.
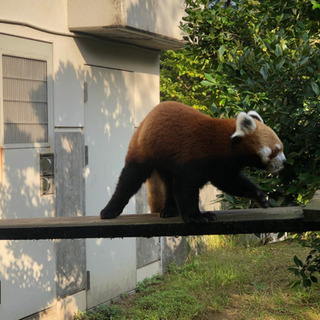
(277, 163)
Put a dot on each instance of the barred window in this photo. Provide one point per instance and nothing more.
(25, 100)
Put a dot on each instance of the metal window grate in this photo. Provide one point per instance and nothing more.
(25, 103)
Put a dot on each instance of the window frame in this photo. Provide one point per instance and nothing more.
(29, 49)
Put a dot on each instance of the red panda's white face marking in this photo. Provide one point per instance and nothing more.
(273, 159)
(266, 143)
(265, 153)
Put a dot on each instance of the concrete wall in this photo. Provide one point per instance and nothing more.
(159, 17)
(143, 22)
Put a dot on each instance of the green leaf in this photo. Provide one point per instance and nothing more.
(221, 50)
(280, 64)
(279, 18)
(314, 279)
(222, 102)
(209, 77)
(278, 51)
(229, 198)
(303, 275)
(297, 262)
(315, 88)
(312, 268)
(304, 61)
(264, 72)
(206, 83)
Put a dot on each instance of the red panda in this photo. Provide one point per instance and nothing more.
(177, 149)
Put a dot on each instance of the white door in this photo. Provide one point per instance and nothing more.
(109, 124)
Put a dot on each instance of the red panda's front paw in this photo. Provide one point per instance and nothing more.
(262, 199)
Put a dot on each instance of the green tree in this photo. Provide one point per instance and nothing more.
(260, 55)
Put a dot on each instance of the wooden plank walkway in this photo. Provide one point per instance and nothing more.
(281, 219)
(149, 225)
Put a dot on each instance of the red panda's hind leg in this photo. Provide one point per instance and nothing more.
(171, 208)
(131, 178)
(156, 192)
(160, 196)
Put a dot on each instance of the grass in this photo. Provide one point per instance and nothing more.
(229, 282)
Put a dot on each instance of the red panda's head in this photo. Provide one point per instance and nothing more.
(260, 139)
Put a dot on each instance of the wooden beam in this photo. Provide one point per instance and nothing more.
(281, 219)
(149, 225)
(312, 209)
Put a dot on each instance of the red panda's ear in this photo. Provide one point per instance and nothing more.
(244, 125)
(255, 115)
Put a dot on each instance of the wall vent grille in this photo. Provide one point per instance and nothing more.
(25, 100)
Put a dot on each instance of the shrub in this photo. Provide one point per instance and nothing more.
(264, 56)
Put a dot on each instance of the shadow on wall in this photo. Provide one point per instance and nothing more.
(153, 16)
(142, 14)
(174, 250)
(35, 272)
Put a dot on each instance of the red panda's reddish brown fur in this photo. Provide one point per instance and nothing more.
(177, 149)
(182, 134)
(152, 138)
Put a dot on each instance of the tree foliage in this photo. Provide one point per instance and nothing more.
(265, 56)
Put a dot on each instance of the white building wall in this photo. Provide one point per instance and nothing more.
(123, 85)
(27, 268)
(50, 14)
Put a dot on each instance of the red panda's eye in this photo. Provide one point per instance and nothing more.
(276, 151)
